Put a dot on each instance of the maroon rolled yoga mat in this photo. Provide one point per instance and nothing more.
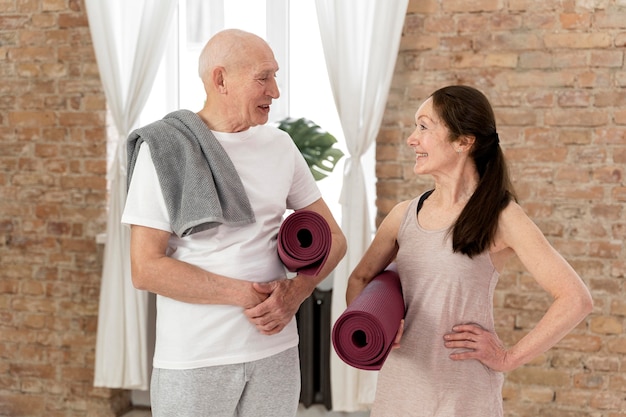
(304, 241)
(364, 332)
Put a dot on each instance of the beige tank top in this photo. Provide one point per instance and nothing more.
(441, 289)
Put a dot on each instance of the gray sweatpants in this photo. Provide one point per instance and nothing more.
(268, 387)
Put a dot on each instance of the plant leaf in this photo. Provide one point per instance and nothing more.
(315, 145)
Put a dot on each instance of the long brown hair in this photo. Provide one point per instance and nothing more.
(466, 111)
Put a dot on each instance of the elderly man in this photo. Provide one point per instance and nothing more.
(207, 194)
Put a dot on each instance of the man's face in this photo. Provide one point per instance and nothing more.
(252, 87)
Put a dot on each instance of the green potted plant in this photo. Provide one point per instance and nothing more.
(315, 144)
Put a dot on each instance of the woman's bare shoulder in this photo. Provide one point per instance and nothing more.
(515, 226)
(393, 219)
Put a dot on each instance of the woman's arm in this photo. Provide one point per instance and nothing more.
(571, 299)
(380, 253)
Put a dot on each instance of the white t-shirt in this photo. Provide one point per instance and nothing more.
(276, 178)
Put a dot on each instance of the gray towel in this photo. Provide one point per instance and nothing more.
(200, 184)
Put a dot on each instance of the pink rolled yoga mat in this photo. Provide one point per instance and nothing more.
(363, 334)
(304, 241)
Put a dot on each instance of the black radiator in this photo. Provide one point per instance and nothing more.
(314, 328)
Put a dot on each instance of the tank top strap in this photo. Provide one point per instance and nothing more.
(423, 198)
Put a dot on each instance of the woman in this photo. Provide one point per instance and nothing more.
(450, 245)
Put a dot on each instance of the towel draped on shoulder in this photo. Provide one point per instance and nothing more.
(200, 184)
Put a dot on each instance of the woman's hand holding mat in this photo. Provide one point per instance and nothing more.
(365, 332)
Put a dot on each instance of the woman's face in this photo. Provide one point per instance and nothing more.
(430, 141)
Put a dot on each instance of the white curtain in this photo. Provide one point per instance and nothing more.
(129, 39)
(360, 40)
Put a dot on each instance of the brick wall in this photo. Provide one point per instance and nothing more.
(555, 73)
(52, 206)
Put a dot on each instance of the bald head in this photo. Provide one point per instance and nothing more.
(229, 48)
(238, 70)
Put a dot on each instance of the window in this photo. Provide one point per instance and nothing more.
(291, 28)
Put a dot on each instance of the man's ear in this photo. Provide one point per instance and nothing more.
(219, 79)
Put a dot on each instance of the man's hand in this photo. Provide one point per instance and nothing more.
(284, 297)
(251, 297)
